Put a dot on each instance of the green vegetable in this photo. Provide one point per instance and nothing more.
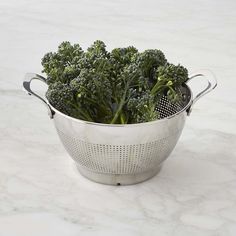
(63, 65)
(118, 87)
(60, 95)
(169, 79)
(142, 108)
(149, 61)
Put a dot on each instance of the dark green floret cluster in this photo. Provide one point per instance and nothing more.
(123, 86)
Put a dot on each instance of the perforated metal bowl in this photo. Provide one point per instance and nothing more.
(123, 154)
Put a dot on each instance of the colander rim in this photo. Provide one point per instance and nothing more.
(128, 125)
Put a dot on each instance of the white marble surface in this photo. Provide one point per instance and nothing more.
(41, 193)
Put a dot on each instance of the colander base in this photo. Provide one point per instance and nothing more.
(118, 179)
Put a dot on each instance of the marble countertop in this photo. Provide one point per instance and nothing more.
(41, 192)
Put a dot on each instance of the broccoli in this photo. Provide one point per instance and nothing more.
(120, 57)
(169, 78)
(148, 61)
(142, 108)
(177, 74)
(130, 80)
(61, 97)
(93, 91)
(123, 86)
(98, 48)
(62, 65)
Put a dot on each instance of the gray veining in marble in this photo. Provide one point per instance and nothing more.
(41, 192)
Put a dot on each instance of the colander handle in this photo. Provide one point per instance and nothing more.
(26, 85)
(212, 83)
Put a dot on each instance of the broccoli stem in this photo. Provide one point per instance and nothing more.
(156, 88)
(123, 118)
(116, 116)
(121, 104)
(123, 99)
(82, 114)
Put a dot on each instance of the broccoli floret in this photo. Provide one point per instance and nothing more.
(142, 108)
(98, 48)
(169, 78)
(62, 65)
(148, 61)
(120, 57)
(132, 75)
(177, 74)
(95, 57)
(61, 97)
(91, 86)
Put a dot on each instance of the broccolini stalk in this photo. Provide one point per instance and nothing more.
(120, 107)
(130, 78)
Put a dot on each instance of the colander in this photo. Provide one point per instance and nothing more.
(123, 154)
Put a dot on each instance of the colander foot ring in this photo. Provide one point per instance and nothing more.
(118, 179)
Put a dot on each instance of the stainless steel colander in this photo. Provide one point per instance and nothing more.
(123, 154)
